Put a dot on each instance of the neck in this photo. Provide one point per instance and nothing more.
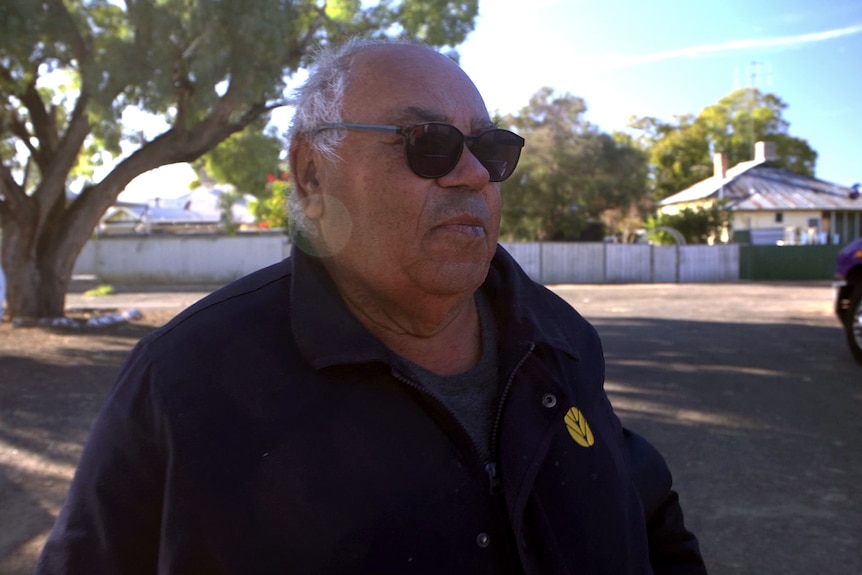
(440, 333)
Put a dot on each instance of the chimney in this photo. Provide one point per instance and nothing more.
(764, 152)
(719, 165)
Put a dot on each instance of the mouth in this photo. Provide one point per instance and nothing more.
(466, 224)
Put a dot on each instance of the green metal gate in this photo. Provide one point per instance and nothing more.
(764, 263)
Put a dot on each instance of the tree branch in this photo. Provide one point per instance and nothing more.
(275, 105)
(51, 190)
(13, 121)
(6, 77)
(10, 190)
(19, 129)
(304, 44)
(80, 46)
(44, 126)
(183, 87)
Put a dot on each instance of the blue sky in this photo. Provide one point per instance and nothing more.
(672, 57)
(663, 58)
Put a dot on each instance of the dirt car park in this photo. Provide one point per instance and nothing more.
(748, 389)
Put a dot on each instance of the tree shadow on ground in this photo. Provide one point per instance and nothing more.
(52, 384)
(759, 423)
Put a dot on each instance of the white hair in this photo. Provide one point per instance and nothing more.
(320, 101)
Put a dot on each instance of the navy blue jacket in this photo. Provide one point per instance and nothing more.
(265, 431)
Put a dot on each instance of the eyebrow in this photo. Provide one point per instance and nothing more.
(412, 114)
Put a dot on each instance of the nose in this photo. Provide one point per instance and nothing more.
(469, 173)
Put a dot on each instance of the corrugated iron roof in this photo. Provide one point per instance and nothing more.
(759, 186)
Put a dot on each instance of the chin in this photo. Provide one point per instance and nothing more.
(455, 277)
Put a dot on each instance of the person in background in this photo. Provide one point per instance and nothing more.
(395, 397)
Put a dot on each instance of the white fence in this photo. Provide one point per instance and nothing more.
(195, 258)
(220, 259)
(554, 263)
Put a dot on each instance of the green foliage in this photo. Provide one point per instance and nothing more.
(244, 159)
(100, 290)
(198, 70)
(225, 202)
(680, 152)
(570, 173)
(180, 60)
(697, 225)
(678, 155)
(437, 22)
(270, 211)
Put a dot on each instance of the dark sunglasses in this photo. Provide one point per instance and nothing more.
(433, 148)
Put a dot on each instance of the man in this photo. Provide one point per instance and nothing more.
(396, 397)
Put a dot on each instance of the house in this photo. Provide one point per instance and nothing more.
(123, 218)
(199, 211)
(775, 206)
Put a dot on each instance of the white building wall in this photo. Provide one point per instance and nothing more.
(754, 220)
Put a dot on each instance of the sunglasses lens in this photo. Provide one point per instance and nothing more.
(433, 149)
(497, 150)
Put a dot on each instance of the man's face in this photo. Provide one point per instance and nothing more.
(393, 233)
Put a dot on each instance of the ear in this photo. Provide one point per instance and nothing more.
(305, 163)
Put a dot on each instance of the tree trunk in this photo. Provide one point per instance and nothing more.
(47, 300)
(37, 275)
(38, 261)
(44, 232)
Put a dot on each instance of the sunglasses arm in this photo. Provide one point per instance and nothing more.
(383, 128)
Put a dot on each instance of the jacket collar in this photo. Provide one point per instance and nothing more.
(325, 330)
(526, 312)
(328, 334)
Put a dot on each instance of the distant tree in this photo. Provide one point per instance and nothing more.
(226, 200)
(698, 225)
(680, 152)
(206, 69)
(244, 160)
(570, 173)
(270, 209)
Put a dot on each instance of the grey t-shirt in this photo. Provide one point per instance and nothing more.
(472, 395)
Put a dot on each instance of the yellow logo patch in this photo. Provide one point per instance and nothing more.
(578, 427)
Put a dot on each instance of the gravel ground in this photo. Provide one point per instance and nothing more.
(748, 389)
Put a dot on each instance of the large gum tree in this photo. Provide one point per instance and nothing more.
(681, 152)
(69, 69)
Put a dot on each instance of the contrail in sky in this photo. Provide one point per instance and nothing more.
(730, 46)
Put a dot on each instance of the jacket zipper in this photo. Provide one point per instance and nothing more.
(494, 485)
(491, 467)
(440, 403)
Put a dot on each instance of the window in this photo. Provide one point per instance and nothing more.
(779, 217)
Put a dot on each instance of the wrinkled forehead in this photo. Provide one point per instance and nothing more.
(406, 84)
